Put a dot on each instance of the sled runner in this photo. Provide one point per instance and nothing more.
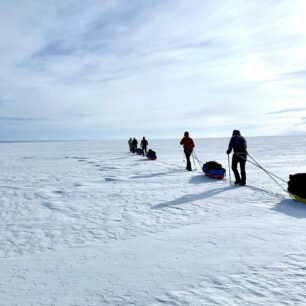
(151, 155)
(214, 170)
(297, 198)
(297, 187)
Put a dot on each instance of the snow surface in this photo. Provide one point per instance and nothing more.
(88, 223)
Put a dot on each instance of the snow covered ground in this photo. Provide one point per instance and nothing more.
(88, 223)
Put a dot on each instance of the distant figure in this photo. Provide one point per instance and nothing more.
(130, 142)
(144, 143)
(188, 145)
(134, 145)
(239, 145)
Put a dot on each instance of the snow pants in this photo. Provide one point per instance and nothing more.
(239, 159)
(187, 154)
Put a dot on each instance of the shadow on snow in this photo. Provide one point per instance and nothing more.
(202, 179)
(154, 174)
(268, 192)
(291, 208)
(191, 197)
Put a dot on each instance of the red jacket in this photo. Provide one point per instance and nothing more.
(188, 144)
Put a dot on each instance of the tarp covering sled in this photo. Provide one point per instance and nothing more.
(138, 151)
(151, 154)
(297, 187)
(214, 170)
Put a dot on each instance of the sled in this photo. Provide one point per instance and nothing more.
(296, 187)
(138, 151)
(214, 170)
(151, 155)
(297, 198)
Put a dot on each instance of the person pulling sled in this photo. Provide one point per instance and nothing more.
(188, 145)
(144, 144)
(130, 142)
(239, 145)
(134, 145)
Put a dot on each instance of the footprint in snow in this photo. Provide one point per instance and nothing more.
(77, 157)
(111, 179)
(58, 191)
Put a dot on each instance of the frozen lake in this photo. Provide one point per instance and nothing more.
(88, 223)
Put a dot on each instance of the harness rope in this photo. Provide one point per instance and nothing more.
(270, 174)
(198, 160)
(194, 162)
(253, 162)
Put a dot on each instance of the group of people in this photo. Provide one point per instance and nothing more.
(133, 145)
(237, 144)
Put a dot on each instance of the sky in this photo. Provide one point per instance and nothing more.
(113, 69)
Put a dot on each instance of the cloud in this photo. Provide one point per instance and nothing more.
(115, 65)
(12, 119)
(288, 110)
(296, 74)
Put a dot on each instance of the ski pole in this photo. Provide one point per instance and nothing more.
(229, 169)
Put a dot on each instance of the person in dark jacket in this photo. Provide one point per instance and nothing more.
(144, 144)
(239, 145)
(134, 145)
(188, 145)
(130, 142)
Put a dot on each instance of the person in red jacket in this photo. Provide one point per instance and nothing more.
(188, 145)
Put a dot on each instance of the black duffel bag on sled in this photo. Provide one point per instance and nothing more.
(297, 186)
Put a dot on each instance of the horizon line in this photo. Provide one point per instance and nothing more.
(124, 139)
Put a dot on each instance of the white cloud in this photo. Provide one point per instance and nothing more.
(153, 65)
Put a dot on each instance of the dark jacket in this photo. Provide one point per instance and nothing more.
(144, 143)
(238, 144)
(187, 143)
(134, 143)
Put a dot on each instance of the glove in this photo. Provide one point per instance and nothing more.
(228, 152)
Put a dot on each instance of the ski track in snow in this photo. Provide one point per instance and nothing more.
(70, 206)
